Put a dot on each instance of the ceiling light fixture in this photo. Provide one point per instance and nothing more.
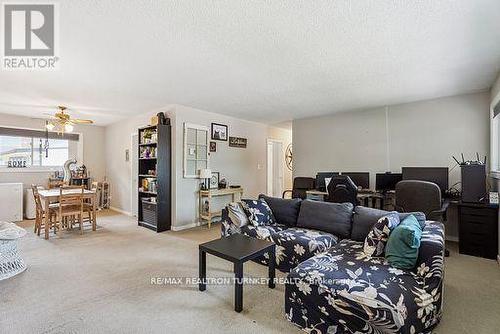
(62, 121)
(50, 126)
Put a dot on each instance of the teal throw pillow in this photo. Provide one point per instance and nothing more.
(402, 247)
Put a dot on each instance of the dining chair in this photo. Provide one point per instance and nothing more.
(40, 212)
(70, 206)
(88, 205)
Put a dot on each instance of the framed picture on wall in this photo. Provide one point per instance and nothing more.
(237, 142)
(214, 180)
(213, 146)
(219, 132)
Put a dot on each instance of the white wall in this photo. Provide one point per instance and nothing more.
(118, 138)
(93, 150)
(425, 133)
(237, 165)
(241, 166)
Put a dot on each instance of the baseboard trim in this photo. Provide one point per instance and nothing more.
(120, 211)
(185, 227)
(195, 224)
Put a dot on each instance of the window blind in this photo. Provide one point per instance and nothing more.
(13, 132)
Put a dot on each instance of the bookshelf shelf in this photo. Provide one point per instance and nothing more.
(155, 215)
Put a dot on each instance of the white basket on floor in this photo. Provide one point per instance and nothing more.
(11, 262)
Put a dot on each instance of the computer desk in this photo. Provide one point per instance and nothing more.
(365, 196)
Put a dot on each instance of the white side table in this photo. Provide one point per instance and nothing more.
(11, 262)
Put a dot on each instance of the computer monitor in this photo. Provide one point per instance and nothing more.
(320, 179)
(360, 179)
(438, 175)
(387, 181)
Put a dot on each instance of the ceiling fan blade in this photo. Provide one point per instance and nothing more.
(82, 121)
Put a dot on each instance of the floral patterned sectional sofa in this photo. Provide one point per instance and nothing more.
(332, 286)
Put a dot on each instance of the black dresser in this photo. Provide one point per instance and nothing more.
(478, 229)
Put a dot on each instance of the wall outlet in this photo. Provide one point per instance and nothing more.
(259, 166)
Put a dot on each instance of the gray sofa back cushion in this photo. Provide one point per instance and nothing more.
(286, 211)
(334, 218)
(364, 219)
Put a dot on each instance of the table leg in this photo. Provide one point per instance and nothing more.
(94, 212)
(202, 270)
(238, 287)
(209, 199)
(200, 207)
(47, 217)
(272, 265)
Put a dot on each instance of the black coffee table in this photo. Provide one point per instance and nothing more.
(238, 249)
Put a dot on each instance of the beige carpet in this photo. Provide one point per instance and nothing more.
(101, 283)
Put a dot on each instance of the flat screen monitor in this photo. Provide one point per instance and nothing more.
(387, 181)
(438, 175)
(360, 179)
(320, 179)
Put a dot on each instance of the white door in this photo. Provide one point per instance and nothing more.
(134, 161)
(275, 173)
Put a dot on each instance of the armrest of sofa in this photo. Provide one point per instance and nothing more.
(227, 227)
(430, 262)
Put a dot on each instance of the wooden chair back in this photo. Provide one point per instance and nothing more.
(36, 195)
(70, 202)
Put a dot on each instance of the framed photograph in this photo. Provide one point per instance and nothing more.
(214, 180)
(237, 142)
(213, 146)
(219, 131)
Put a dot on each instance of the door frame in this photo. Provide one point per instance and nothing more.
(269, 141)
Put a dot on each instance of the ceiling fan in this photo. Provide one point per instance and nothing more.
(63, 122)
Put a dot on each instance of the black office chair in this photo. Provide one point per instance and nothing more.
(341, 189)
(422, 196)
(300, 186)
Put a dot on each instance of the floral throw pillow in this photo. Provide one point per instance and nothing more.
(378, 236)
(258, 212)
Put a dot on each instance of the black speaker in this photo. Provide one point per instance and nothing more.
(473, 183)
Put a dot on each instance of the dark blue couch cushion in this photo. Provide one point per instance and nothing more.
(364, 218)
(285, 211)
(334, 218)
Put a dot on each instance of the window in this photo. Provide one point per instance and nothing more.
(195, 149)
(30, 151)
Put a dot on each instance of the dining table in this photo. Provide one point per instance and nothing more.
(52, 195)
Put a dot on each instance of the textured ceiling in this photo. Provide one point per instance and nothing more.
(267, 61)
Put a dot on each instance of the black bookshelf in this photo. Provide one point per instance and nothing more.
(154, 177)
